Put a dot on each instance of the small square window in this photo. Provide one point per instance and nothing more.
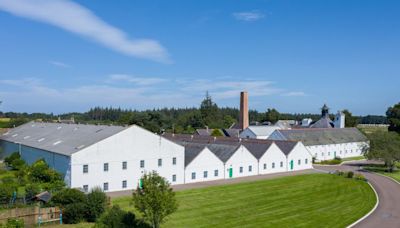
(205, 174)
(159, 162)
(250, 168)
(141, 163)
(105, 167)
(241, 170)
(105, 186)
(216, 173)
(193, 176)
(306, 161)
(299, 162)
(85, 168)
(265, 165)
(124, 184)
(281, 164)
(173, 161)
(174, 178)
(273, 165)
(85, 188)
(124, 165)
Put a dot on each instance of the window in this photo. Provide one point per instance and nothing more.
(159, 162)
(216, 173)
(273, 165)
(299, 162)
(141, 163)
(124, 184)
(241, 170)
(193, 176)
(105, 186)
(316, 155)
(85, 168)
(85, 188)
(265, 166)
(174, 160)
(281, 164)
(105, 167)
(124, 165)
(205, 174)
(306, 161)
(250, 168)
(329, 153)
(174, 178)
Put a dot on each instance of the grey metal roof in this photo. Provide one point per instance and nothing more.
(325, 136)
(324, 122)
(192, 151)
(59, 138)
(257, 149)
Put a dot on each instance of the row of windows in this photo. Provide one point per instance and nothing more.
(124, 184)
(205, 174)
(125, 165)
(346, 151)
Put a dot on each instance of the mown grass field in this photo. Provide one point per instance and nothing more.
(383, 170)
(314, 200)
(357, 158)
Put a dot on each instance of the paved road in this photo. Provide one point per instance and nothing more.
(204, 184)
(387, 214)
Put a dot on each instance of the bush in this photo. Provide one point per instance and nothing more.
(31, 190)
(115, 217)
(14, 161)
(350, 174)
(360, 177)
(68, 196)
(96, 203)
(73, 213)
(14, 223)
(6, 192)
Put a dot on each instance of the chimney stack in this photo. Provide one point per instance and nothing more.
(244, 111)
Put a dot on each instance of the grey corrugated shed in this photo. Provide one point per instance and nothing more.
(311, 137)
(60, 138)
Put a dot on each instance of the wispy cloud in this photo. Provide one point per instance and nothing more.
(77, 19)
(134, 79)
(249, 16)
(59, 64)
(294, 94)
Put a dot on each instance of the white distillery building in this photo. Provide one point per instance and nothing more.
(258, 132)
(111, 157)
(326, 143)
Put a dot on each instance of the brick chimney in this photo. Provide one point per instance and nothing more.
(244, 111)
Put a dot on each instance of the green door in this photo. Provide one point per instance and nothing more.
(230, 172)
(291, 165)
(140, 183)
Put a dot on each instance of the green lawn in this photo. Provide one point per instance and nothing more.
(357, 158)
(382, 170)
(312, 200)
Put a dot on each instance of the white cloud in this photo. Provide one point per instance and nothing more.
(134, 80)
(77, 19)
(294, 94)
(249, 16)
(59, 64)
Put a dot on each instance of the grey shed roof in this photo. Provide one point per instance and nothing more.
(192, 150)
(286, 146)
(325, 136)
(257, 149)
(324, 122)
(60, 138)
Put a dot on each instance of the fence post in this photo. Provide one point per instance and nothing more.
(61, 216)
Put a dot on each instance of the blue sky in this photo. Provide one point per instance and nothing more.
(63, 56)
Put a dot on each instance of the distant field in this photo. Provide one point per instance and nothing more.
(313, 200)
(5, 119)
(372, 129)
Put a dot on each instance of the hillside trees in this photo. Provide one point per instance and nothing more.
(350, 120)
(393, 116)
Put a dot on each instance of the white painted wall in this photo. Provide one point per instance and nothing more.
(206, 161)
(343, 150)
(241, 158)
(273, 161)
(130, 145)
(301, 158)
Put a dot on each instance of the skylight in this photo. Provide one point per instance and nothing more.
(80, 147)
(58, 142)
(58, 128)
(27, 137)
(40, 139)
(14, 135)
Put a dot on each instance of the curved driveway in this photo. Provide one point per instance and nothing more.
(387, 214)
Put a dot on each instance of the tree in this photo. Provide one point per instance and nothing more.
(209, 111)
(115, 217)
(350, 120)
(96, 204)
(68, 196)
(384, 146)
(155, 199)
(216, 133)
(393, 116)
(272, 115)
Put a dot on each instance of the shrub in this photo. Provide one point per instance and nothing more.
(14, 223)
(96, 203)
(115, 217)
(350, 174)
(68, 196)
(6, 192)
(360, 177)
(31, 190)
(41, 172)
(14, 161)
(73, 213)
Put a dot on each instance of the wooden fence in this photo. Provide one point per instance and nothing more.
(32, 215)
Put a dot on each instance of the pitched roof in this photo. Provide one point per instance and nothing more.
(257, 149)
(263, 130)
(192, 151)
(286, 146)
(324, 136)
(64, 139)
(324, 122)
